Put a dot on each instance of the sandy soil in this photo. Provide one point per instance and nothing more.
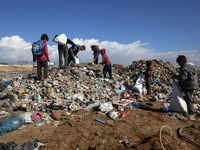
(16, 67)
(139, 130)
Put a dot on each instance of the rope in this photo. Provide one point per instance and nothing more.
(161, 135)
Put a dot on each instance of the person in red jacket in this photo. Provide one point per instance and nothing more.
(42, 60)
(148, 74)
(107, 66)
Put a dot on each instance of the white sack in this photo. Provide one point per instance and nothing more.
(76, 60)
(177, 102)
(61, 39)
(105, 107)
(26, 117)
(139, 82)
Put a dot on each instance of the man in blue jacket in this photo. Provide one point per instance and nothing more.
(72, 53)
(188, 82)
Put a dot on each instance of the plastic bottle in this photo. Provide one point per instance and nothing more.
(10, 124)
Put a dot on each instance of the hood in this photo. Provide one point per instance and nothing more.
(103, 51)
(191, 68)
(149, 62)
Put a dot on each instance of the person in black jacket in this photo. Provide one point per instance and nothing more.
(96, 52)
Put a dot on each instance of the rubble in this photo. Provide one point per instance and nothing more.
(83, 88)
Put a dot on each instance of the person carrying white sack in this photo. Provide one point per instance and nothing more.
(188, 82)
(62, 41)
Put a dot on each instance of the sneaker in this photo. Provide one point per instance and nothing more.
(191, 117)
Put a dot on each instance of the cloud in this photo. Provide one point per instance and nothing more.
(14, 49)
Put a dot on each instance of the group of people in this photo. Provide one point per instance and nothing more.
(187, 76)
(69, 55)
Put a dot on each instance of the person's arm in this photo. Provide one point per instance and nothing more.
(70, 42)
(96, 53)
(103, 60)
(33, 58)
(46, 52)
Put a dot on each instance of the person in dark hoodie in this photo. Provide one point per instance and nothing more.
(148, 73)
(188, 82)
(107, 66)
(96, 53)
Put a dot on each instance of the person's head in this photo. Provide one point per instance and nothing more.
(82, 48)
(103, 51)
(44, 38)
(93, 47)
(55, 37)
(148, 63)
(181, 60)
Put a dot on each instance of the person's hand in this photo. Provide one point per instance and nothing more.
(75, 47)
(94, 59)
(76, 56)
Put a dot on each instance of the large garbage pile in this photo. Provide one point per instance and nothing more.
(82, 87)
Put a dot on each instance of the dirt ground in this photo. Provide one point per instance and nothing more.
(139, 130)
(16, 67)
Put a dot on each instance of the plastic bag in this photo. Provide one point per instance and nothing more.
(26, 117)
(139, 82)
(105, 107)
(177, 102)
(61, 39)
(76, 60)
(10, 124)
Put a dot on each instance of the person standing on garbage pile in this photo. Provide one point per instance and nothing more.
(106, 61)
(42, 60)
(148, 74)
(72, 53)
(63, 51)
(96, 52)
(188, 82)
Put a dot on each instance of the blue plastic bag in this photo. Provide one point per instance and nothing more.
(10, 124)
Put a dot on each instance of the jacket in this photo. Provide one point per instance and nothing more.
(96, 53)
(45, 56)
(105, 59)
(187, 77)
(148, 70)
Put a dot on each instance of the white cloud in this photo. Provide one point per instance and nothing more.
(14, 49)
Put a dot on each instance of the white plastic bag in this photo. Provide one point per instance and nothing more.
(76, 60)
(26, 117)
(139, 82)
(177, 102)
(61, 39)
(105, 107)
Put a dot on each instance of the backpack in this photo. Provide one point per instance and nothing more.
(38, 48)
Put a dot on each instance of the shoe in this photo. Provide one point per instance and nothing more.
(191, 117)
(47, 79)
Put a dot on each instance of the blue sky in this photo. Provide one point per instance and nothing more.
(129, 30)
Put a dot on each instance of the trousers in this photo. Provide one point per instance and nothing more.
(42, 64)
(63, 53)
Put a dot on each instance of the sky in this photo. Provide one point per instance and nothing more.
(129, 30)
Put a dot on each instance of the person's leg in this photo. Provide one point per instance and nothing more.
(188, 99)
(65, 53)
(148, 86)
(110, 71)
(45, 67)
(39, 69)
(60, 52)
(73, 58)
(104, 71)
